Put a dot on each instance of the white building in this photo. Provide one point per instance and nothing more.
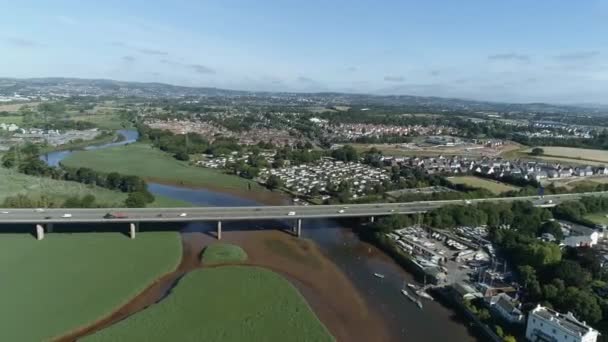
(545, 324)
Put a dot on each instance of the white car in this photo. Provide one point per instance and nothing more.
(341, 211)
(183, 215)
(291, 213)
(39, 210)
(5, 212)
(66, 215)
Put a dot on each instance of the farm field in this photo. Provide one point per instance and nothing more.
(493, 186)
(142, 160)
(227, 303)
(13, 183)
(580, 155)
(67, 281)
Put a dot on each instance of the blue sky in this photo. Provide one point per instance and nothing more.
(517, 50)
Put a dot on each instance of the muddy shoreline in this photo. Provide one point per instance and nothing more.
(328, 291)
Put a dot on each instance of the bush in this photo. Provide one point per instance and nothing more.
(223, 253)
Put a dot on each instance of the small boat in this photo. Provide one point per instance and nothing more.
(412, 286)
(424, 295)
(381, 276)
(404, 291)
(419, 304)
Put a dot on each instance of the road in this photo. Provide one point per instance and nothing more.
(133, 215)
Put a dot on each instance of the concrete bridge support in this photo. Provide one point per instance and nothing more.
(372, 219)
(49, 227)
(39, 232)
(299, 228)
(133, 228)
(219, 230)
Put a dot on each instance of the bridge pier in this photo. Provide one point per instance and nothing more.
(49, 227)
(39, 232)
(299, 228)
(372, 219)
(219, 230)
(133, 228)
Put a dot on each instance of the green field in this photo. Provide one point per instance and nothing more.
(222, 253)
(102, 120)
(493, 186)
(142, 160)
(12, 119)
(68, 281)
(599, 218)
(228, 303)
(56, 191)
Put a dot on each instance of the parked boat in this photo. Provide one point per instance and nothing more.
(424, 295)
(381, 276)
(412, 286)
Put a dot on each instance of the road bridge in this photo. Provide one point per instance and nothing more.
(43, 219)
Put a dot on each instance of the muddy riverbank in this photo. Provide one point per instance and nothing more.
(333, 298)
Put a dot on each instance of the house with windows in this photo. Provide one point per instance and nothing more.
(545, 324)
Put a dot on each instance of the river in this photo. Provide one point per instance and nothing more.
(358, 261)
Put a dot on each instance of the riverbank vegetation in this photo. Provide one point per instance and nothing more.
(18, 190)
(67, 281)
(228, 303)
(142, 160)
(220, 253)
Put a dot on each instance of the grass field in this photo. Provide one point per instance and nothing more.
(152, 164)
(12, 119)
(13, 183)
(578, 155)
(229, 304)
(66, 281)
(599, 218)
(493, 186)
(222, 253)
(102, 120)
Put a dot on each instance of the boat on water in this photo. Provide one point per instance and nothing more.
(412, 286)
(410, 297)
(424, 295)
(381, 276)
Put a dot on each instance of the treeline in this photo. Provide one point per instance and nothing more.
(28, 161)
(24, 201)
(575, 211)
(598, 141)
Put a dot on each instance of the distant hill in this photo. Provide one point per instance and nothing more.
(65, 87)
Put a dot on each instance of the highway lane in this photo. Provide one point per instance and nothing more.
(253, 213)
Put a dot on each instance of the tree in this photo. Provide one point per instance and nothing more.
(135, 200)
(572, 273)
(182, 156)
(509, 338)
(499, 330)
(274, 182)
(553, 228)
(581, 302)
(113, 180)
(537, 151)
